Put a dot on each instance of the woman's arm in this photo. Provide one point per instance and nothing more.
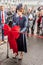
(25, 25)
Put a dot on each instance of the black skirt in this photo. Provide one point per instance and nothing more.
(21, 42)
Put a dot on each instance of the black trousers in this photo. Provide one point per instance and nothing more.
(38, 27)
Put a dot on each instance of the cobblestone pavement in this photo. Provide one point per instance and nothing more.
(34, 56)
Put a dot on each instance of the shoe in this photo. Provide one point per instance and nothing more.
(15, 56)
(20, 57)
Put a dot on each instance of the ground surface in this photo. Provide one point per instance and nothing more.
(34, 56)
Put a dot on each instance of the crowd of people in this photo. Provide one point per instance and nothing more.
(27, 19)
(34, 16)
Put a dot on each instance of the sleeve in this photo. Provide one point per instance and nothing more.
(14, 20)
(25, 25)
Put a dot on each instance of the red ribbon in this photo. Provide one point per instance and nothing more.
(12, 36)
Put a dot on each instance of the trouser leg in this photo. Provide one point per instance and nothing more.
(2, 35)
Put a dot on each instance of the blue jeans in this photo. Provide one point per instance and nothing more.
(2, 33)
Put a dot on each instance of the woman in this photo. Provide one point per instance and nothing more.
(20, 20)
(39, 22)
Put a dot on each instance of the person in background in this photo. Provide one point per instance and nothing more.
(30, 19)
(2, 21)
(9, 17)
(34, 21)
(0, 16)
(41, 25)
(28, 12)
(39, 22)
(13, 9)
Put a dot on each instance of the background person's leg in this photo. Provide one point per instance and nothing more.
(2, 35)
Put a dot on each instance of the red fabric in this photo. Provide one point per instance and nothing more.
(12, 34)
(6, 29)
(15, 30)
(39, 19)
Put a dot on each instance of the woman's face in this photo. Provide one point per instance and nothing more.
(20, 12)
